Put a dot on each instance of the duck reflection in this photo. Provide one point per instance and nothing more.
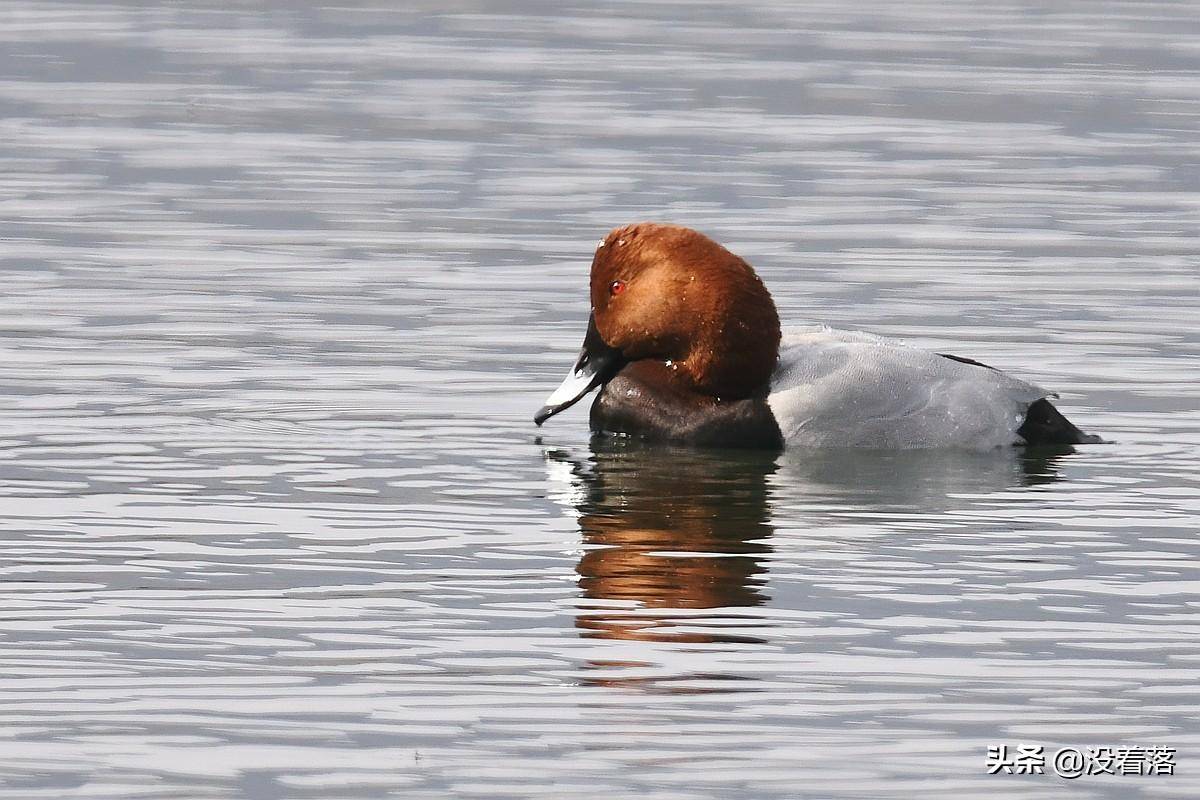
(676, 541)
(668, 530)
(924, 481)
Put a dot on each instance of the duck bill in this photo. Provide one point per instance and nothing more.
(596, 365)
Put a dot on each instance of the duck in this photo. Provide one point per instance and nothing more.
(685, 346)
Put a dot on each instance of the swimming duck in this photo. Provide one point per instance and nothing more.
(685, 345)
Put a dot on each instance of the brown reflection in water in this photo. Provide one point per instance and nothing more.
(675, 539)
(670, 529)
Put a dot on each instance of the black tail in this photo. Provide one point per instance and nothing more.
(1045, 424)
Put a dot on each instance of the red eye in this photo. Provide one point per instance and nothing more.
(616, 287)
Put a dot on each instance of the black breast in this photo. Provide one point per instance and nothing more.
(665, 413)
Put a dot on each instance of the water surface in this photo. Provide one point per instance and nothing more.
(285, 283)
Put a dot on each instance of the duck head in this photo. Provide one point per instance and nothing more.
(671, 294)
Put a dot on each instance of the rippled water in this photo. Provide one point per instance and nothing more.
(284, 285)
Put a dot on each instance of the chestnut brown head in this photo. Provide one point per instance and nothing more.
(666, 293)
(670, 293)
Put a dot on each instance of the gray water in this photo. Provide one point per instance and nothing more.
(284, 284)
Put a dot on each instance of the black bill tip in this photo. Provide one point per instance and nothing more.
(596, 364)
